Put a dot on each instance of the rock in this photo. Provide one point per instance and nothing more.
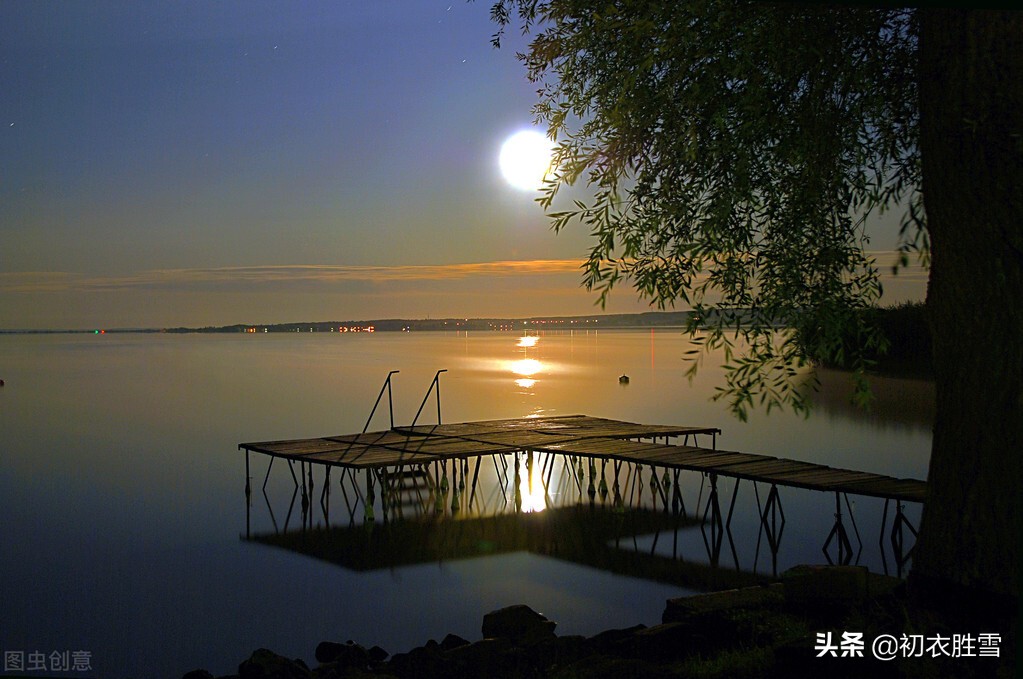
(698, 606)
(265, 664)
(345, 655)
(616, 641)
(197, 674)
(327, 651)
(604, 667)
(495, 657)
(453, 641)
(421, 663)
(670, 641)
(377, 655)
(562, 651)
(815, 587)
(520, 623)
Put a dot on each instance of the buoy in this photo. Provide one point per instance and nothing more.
(1, 383)
(624, 379)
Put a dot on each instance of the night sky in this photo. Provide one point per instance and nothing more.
(194, 163)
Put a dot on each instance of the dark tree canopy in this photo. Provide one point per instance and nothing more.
(729, 154)
(733, 152)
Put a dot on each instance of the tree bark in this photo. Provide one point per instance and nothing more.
(971, 146)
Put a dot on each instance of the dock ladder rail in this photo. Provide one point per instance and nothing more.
(434, 383)
(390, 402)
(324, 494)
(382, 476)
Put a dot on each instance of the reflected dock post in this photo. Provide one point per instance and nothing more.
(248, 497)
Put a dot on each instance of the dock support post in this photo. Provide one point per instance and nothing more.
(475, 477)
(248, 498)
(517, 486)
(677, 503)
(370, 498)
(294, 494)
(728, 523)
(769, 526)
(839, 534)
(902, 555)
(712, 509)
(325, 495)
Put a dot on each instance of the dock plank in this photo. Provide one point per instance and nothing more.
(584, 436)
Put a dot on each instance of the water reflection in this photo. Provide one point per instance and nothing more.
(527, 368)
(897, 401)
(530, 494)
(130, 403)
(528, 502)
(694, 530)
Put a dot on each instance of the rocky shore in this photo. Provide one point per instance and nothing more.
(772, 630)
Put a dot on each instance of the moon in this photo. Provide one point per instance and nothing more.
(525, 159)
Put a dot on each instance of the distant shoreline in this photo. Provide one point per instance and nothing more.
(652, 319)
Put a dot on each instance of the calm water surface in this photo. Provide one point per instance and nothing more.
(123, 511)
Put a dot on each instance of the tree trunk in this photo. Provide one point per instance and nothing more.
(971, 144)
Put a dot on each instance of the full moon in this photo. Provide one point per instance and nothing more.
(525, 159)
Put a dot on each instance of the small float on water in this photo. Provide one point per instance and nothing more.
(624, 379)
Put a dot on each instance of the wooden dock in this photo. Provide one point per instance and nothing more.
(582, 436)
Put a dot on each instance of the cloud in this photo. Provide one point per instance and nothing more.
(337, 277)
(276, 275)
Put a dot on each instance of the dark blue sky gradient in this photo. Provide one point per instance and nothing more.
(174, 136)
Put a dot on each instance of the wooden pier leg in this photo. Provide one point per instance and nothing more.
(713, 510)
(880, 540)
(728, 523)
(677, 503)
(517, 485)
(325, 495)
(602, 486)
(266, 497)
(305, 495)
(838, 533)
(294, 494)
(248, 498)
(475, 476)
(856, 529)
(591, 490)
(902, 555)
(370, 500)
(616, 489)
(774, 530)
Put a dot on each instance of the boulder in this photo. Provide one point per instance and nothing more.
(453, 641)
(561, 651)
(422, 662)
(699, 606)
(265, 664)
(814, 587)
(377, 655)
(616, 641)
(519, 623)
(668, 641)
(349, 654)
(495, 657)
(610, 667)
(197, 674)
(327, 651)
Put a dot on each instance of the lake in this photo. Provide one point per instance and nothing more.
(124, 514)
